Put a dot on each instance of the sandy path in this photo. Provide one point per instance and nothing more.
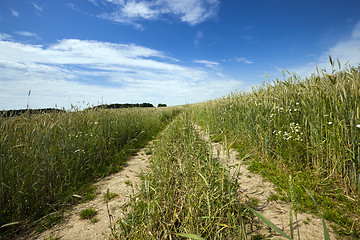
(75, 228)
(253, 185)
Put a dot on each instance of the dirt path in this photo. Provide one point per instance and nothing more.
(251, 185)
(255, 186)
(120, 183)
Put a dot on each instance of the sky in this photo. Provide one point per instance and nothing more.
(60, 53)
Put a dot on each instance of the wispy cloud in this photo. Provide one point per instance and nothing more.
(4, 36)
(243, 60)
(356, 31)
(192, 12)
(344, 51)
(14, 13)
(26, 34)
(38, 9)
(94, 2)
(198, 36)
(209, 64)
(73, 70)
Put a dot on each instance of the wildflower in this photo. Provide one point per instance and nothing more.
(358, 126)
(79, 150)
(329, 123)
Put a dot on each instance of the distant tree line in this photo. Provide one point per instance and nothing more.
(123, 105)
(13, 113)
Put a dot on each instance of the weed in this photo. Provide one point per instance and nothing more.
(273, 197)
(87, 213)
(128, 183)
(109, 195)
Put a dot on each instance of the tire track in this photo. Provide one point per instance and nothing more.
(254, 186)
(124, 183)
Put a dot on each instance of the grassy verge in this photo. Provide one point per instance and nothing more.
(308, 128)
(187, 194)
(48, 161)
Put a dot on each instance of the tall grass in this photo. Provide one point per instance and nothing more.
(309, 123)
(306, 127)
(188, 193)
(46, 158)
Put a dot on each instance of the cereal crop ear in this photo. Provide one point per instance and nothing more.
(331, 61)
(339, 64)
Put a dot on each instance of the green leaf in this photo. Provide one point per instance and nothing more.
(191, 236)
(270, 224)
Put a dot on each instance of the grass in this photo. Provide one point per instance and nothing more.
(128, 183)
(188, 193)
(47, 159)
(110, 195)
(309, 128)
(88, 213)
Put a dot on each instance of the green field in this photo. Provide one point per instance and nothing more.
(47, 158)
(307, 128)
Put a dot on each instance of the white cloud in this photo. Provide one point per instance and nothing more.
(344, 51)
(26, 34)
(244, 60)
(37, 7)
(94, 2)
(139, 10)
(14, 13)
(4, 36)
(190, 11)
(209, 64)
(356, 31)
(73, 70)
(198, 36)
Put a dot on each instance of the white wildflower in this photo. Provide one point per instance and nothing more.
(358, 126)
(329, 123)
(79, 150)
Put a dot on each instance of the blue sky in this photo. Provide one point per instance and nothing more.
(164, 51)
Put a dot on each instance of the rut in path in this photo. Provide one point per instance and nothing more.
(251, 186)
(124, 184)
(254, 186)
